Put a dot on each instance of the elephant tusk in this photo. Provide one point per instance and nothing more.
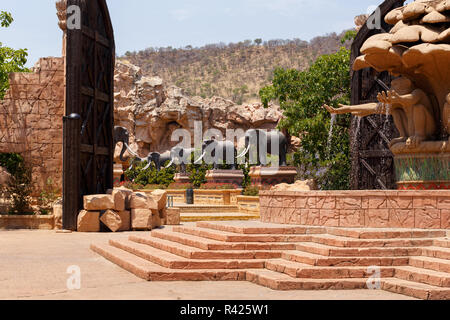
(131, 151)
(244, 153)
(170, 163)
(201, 158)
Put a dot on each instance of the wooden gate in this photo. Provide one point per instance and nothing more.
(88, 121)
(372, 161)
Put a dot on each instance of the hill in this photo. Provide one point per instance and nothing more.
(235, 71)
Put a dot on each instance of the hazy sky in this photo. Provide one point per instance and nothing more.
(139, 24)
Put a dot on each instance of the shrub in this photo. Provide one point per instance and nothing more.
(150, 176)
(47, 197)
(19, 185)
(180, 186)
(253, 190)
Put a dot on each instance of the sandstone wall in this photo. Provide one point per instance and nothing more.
(31, 119)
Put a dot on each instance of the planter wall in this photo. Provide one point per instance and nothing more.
(207, 197)
(359, 209)
(248, 204)
(27, 222)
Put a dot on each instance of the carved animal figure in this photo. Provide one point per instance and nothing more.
(218, 152)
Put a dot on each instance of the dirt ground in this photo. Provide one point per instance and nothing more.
(34, 265)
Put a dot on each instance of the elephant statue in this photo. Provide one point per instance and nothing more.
(121, 134)
(181, 156)
(264, 138)
(227, 148)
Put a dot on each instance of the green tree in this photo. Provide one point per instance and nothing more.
(10, 60)
(301, 95)
(258, 41)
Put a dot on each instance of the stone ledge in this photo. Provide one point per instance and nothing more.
(27, 222)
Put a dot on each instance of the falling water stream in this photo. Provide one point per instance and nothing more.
(330, 134)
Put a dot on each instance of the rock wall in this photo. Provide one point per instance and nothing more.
(151, 112)
(31, 119)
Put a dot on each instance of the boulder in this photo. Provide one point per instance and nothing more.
(160, 197)
(172, 216)
(156, 220)
(138, 200)
(88, 221)
(4, 176)
(98, 202)
(125, 216)
(141, 219)
(307, 185)
(112, 220)
(120, 198)
(57, 213)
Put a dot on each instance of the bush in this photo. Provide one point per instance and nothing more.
(19, 185)
(47, 197)
(149, 176)
(197, 173)
(180, 186)
(253, 190)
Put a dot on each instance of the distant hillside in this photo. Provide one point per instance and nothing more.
(236, 71)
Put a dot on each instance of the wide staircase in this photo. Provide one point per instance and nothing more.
(413, 262)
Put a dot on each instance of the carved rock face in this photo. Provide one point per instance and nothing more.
(152, 112)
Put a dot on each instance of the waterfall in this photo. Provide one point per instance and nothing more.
(330, 134)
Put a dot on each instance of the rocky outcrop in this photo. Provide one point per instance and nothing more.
(307, 185)
(152, 112)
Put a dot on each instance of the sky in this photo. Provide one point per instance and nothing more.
(139, 24)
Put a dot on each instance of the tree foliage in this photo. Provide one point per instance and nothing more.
(301, 96)
(150, 176)
(11, 60)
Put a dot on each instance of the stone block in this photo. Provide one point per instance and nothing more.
(351, 218)
(160, 198)
(138, 200)
(57, 213)
(88, 221)
(427, 218)
(425, 202)
(141, 219)
(119, 199)
(445, 219)
(377, 218)
(112, 220)
(125, 216)
(156, 220)
(172, 216)
(401, 218)
(98, 202)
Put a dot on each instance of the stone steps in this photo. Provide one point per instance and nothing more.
(195, 253)
(260, 228)
(279, 281)
(386, 233)
(344, 242)
(330, 251)
(443, 243)
(289, 257)
(169, 260)
(319, 260)
(235, 237)
(434, 278)
(209, 244)
(300, 270)
(415, 289)
(207, 208)
(435, 264)
(149, 271)
(209, 216)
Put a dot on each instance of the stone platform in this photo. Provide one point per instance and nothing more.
(358, 209)
(261, 176)
(413, 262)
(235, 177)
(204, 212)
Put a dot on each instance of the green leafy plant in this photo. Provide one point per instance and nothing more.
(324, 153)
(11, 60)
(150, 176)
(19, 185)
(47, 197)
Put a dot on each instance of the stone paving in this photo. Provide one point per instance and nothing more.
(34, 265)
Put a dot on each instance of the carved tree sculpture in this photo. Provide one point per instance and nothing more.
(418, 50)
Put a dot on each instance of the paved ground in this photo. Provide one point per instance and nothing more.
(33, 265)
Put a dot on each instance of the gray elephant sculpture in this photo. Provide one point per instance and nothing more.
(227, 149)
(121, 134)
(262, 138)
(181, 156)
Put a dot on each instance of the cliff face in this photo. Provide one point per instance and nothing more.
(152, 112)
